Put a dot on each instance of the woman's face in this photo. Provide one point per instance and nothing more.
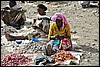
(59, 22)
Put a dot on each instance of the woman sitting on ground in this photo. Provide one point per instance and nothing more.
(60, 29)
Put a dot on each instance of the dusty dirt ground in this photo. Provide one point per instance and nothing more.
(84, 23)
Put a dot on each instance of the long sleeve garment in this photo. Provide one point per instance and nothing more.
(54, 30)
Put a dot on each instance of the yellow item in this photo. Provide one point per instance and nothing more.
(54, 30)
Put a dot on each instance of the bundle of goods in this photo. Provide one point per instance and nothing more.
(8, 29)
(30, 48)
(14, 59)
(63, 56)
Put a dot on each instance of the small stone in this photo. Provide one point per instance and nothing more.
(93, 44)
(74, 32)
(74, 5)
(89, 53)
(95, 39)
(86, 60)
(84, 10)
(83, 57)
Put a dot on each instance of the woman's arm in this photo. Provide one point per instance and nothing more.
(56, 36)
(60, 45)
(50, 31)
(70, 45)
(68, 31)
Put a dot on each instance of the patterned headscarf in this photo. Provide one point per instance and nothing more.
(64, 20)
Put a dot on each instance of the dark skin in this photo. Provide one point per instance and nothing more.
(41, 11)
(12, 3)
(59, 25)
(11, 38)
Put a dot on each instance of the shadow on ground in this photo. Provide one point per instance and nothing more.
(92, 6)
(89, 49)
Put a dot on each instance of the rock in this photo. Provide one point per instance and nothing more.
(81, 15)
(84, 10)
(86, 60)
(74, 32)
(93, 44)
(74, 5)
(89, 53)
(83, 57)
(95, 40)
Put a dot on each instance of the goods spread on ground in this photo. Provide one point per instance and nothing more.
(14, 59)
(63, 56)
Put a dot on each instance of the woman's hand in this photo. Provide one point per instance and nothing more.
(56, 36)
(68, 47)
